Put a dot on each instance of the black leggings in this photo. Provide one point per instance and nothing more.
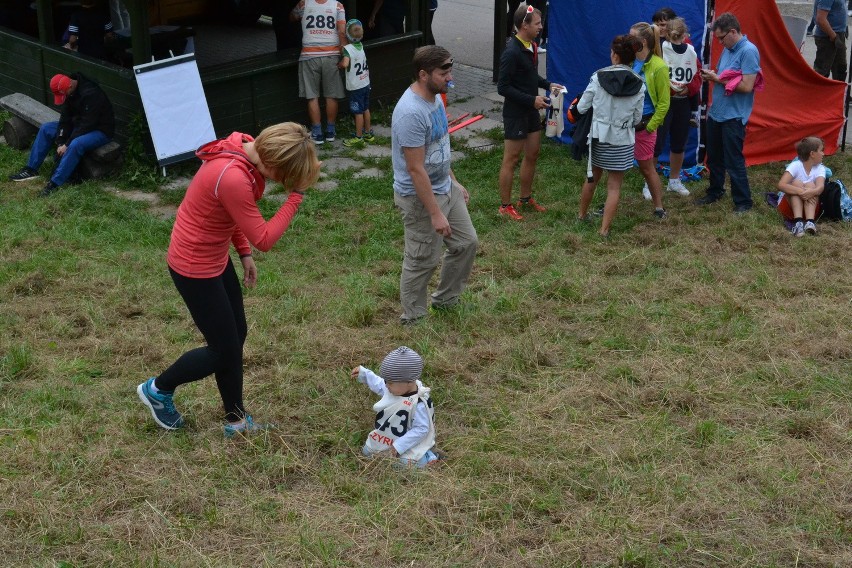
(675, 127)
(216, 306)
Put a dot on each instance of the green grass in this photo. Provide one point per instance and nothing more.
(675, 396)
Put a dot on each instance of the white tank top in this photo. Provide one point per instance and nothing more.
(357, 74)
(319, 29)
(393, 419)
(682, 66)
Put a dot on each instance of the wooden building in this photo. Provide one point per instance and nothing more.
(244, 93)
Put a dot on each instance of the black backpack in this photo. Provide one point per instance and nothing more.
(580, 135)
(829, 201)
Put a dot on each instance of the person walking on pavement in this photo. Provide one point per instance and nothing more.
(432, 202)
(728, 114)
(518, 82)
(830, 38)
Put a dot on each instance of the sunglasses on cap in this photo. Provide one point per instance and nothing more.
(447, 66)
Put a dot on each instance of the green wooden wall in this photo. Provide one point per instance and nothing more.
(245, 95)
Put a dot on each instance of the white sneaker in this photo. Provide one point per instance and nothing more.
(677, 186)
(646, 193)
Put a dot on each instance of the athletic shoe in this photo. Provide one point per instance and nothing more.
(598, 212)
(742, 209)
(509, 211)
(660, 214)
(646, 193)
(317, 137)
(25, 174)
(677, 186)
(244, 427)
(810, 228)
(330, 134)
(354, 142)
(49, 188)
(161, 404)
(530, 203)
(369, 137)
(708, 199)
(798, 229)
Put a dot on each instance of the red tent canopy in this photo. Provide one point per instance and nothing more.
(797, 101)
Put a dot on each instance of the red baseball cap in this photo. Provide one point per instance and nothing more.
(60, 84)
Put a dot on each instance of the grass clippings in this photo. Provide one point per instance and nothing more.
(678, 395)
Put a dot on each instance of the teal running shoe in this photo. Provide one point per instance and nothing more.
(244, 427)
(161, 404)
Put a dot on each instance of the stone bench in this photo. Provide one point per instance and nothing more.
(27, 117)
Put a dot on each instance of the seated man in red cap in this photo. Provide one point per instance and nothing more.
(85, 122)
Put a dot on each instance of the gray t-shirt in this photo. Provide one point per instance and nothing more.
(417, 123)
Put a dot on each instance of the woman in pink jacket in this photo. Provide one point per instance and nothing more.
(220, 209)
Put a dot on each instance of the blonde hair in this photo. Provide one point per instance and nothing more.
(650, 36)
(288, 149)
(677, 30)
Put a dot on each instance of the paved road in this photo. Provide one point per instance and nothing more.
(466, 28)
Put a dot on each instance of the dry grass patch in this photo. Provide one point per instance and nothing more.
(676, 396)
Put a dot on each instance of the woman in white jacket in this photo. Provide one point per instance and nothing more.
(616, 95)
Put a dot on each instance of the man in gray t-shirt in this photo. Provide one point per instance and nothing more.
(432, 202)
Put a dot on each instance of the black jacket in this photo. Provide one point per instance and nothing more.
(518, 81)
(85, 110)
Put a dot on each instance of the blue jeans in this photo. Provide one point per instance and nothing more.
(725, 155)
(73, 154)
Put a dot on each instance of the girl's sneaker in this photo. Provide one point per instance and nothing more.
(677, 186)
(161, 404)
(798, 229)
(244, 427)
(810, 228)
(369, 136)
(646, 192)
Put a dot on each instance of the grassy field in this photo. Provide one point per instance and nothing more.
(678, 395)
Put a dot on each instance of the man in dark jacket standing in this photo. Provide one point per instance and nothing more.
(519, 83)
(85, 122)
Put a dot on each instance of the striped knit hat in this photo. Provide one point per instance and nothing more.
(401, 365)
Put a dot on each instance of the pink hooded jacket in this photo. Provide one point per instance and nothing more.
(220, 208)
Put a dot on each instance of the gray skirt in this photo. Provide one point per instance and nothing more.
(611, 157)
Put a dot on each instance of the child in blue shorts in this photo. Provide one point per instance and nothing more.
(354, 61)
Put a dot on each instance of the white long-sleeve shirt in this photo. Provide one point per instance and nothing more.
(394, 425)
